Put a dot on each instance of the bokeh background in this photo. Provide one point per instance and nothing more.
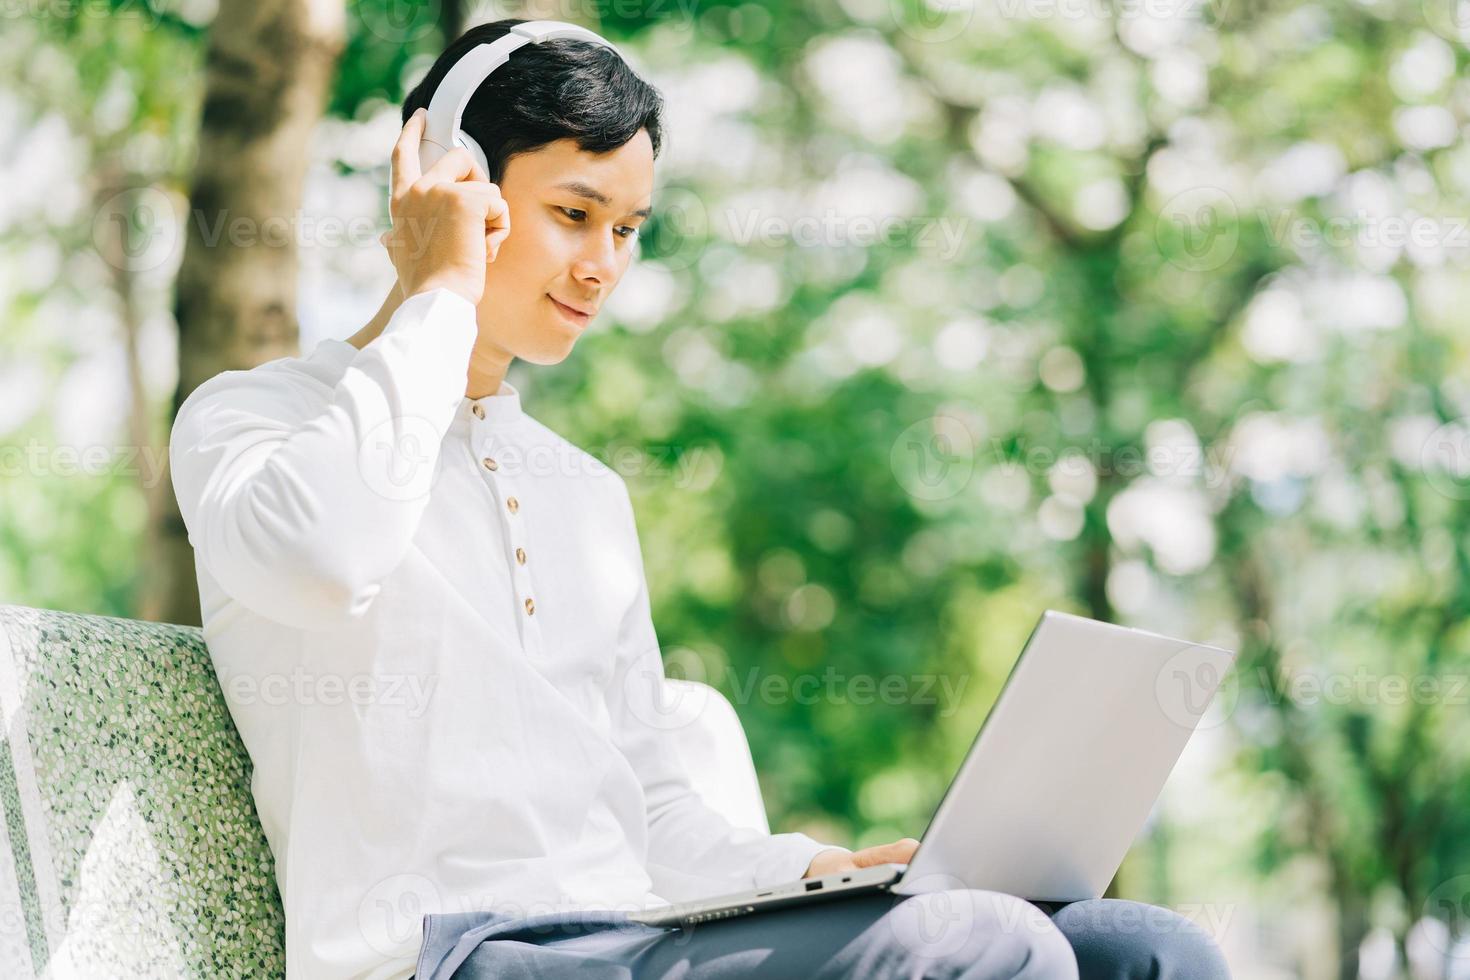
(952, 311)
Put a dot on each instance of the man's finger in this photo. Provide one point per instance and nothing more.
(487, 196)
(453, 167)
(405, 159)
(499, 215)
(898, 851)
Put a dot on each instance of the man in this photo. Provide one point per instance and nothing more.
(430, 617)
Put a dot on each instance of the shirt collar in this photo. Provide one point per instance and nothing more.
(501, 408)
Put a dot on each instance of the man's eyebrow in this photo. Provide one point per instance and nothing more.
(591, 193)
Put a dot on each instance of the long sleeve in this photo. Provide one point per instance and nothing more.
(693, 851)
(299, 498)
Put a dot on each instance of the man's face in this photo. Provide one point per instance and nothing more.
(573, 221)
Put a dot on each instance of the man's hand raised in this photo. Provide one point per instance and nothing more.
(448, 222)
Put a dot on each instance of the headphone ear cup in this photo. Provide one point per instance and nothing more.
(468, 142)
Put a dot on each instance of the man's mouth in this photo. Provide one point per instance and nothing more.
(581, 316)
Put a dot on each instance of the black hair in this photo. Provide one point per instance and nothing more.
(559, 89)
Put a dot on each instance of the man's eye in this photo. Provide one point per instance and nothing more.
(577, 214)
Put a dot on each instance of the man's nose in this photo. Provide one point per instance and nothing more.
(598, 260)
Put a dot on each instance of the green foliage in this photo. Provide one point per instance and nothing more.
(1130, 390)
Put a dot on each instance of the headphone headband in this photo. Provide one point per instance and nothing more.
(446, 108)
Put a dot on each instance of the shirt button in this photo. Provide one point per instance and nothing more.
(490, 464)
(521, 555)
(479, 411)
(513, 504)
(530, 607)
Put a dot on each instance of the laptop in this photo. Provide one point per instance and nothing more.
(1056, 785)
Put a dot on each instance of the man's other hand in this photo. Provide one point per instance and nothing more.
(836, 859)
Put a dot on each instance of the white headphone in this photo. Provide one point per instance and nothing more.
(441, 128)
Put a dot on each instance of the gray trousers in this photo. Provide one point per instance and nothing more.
(952, 934)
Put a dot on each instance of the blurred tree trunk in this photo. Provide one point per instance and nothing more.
(453, 18)
(268, 72)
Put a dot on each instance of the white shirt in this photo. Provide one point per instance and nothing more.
(430, 619)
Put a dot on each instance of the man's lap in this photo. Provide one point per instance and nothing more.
(961, 933)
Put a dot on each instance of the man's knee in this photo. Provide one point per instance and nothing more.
(1124, 940)
(968, 934)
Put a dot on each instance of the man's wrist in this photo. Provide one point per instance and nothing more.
(457, 288)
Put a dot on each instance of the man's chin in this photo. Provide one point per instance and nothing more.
(550, 351)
